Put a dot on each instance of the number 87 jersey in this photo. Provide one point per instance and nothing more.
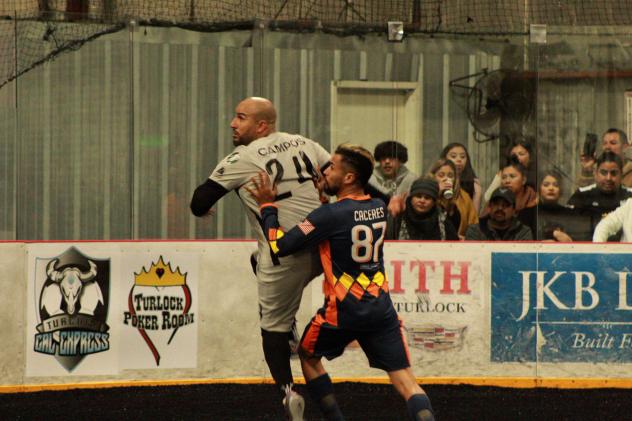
(350, 235)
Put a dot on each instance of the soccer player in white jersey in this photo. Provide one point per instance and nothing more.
(290, 160)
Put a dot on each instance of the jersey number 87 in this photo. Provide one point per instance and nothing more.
(362, 248)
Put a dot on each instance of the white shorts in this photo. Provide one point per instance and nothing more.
(280, 287)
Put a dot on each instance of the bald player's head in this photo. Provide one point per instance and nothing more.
(255, 117)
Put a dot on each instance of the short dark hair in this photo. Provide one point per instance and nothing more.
(391, 149)
(609, 156)
(359, 159)
(621, 133)
(513, 161)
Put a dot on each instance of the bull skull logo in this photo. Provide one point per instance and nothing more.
(72, 284)
(73, 306)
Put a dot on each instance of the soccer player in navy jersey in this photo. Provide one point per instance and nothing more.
(350, 235)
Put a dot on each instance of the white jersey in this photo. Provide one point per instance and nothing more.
(290, 160)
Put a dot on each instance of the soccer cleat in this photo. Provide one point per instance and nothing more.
(294, 405)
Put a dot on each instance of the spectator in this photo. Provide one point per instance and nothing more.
(616, 141)
(392, 176)
(522, 151)
(552, 216)
(501, 223)
(452, 198)
(514, 177)
(606, 194)
(550, 189)
(616, 221)
(422, 219)
(457, 153)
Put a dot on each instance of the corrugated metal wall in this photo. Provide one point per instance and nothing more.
(112, 139)
(108, 142)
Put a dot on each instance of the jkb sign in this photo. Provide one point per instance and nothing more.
(561, 307)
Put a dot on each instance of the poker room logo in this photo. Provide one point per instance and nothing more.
(159, 304)
(72, 296)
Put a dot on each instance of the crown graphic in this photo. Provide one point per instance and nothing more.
(160, 275)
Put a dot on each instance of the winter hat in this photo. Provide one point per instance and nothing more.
(427, 186)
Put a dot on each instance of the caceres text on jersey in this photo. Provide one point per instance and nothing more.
(368, 214)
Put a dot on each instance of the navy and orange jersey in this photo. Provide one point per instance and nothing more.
(350, 235)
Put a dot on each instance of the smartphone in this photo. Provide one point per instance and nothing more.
(590, 145)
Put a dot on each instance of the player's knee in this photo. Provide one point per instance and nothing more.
(405, 383)
(307, 362)
(276, 341)
(305, 356)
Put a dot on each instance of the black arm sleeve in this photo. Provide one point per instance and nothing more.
(205, 196)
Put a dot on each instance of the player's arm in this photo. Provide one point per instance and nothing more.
(205, 196)
(305, 235)
(228, 175)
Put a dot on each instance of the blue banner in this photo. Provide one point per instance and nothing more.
(554, 307)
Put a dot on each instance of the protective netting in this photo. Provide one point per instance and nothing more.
(33, 31)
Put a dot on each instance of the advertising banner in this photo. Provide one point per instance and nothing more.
(469, 310)
(561, 307)
(70, 309)
(439, 292)
(159, 317)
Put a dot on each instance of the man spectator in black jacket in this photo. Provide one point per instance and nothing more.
(606, 194)
(501, 224)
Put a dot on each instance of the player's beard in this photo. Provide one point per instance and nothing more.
(240, 140)
(331, 190)
(243, 138)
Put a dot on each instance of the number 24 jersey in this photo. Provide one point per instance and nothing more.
(290, 160)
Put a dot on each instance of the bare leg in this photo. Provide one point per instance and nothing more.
(417, 401)
(405, 382)
(312, 368)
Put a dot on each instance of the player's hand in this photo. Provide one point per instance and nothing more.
(261, 188)
(397, 204)
(319, 184)
(209, 214)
